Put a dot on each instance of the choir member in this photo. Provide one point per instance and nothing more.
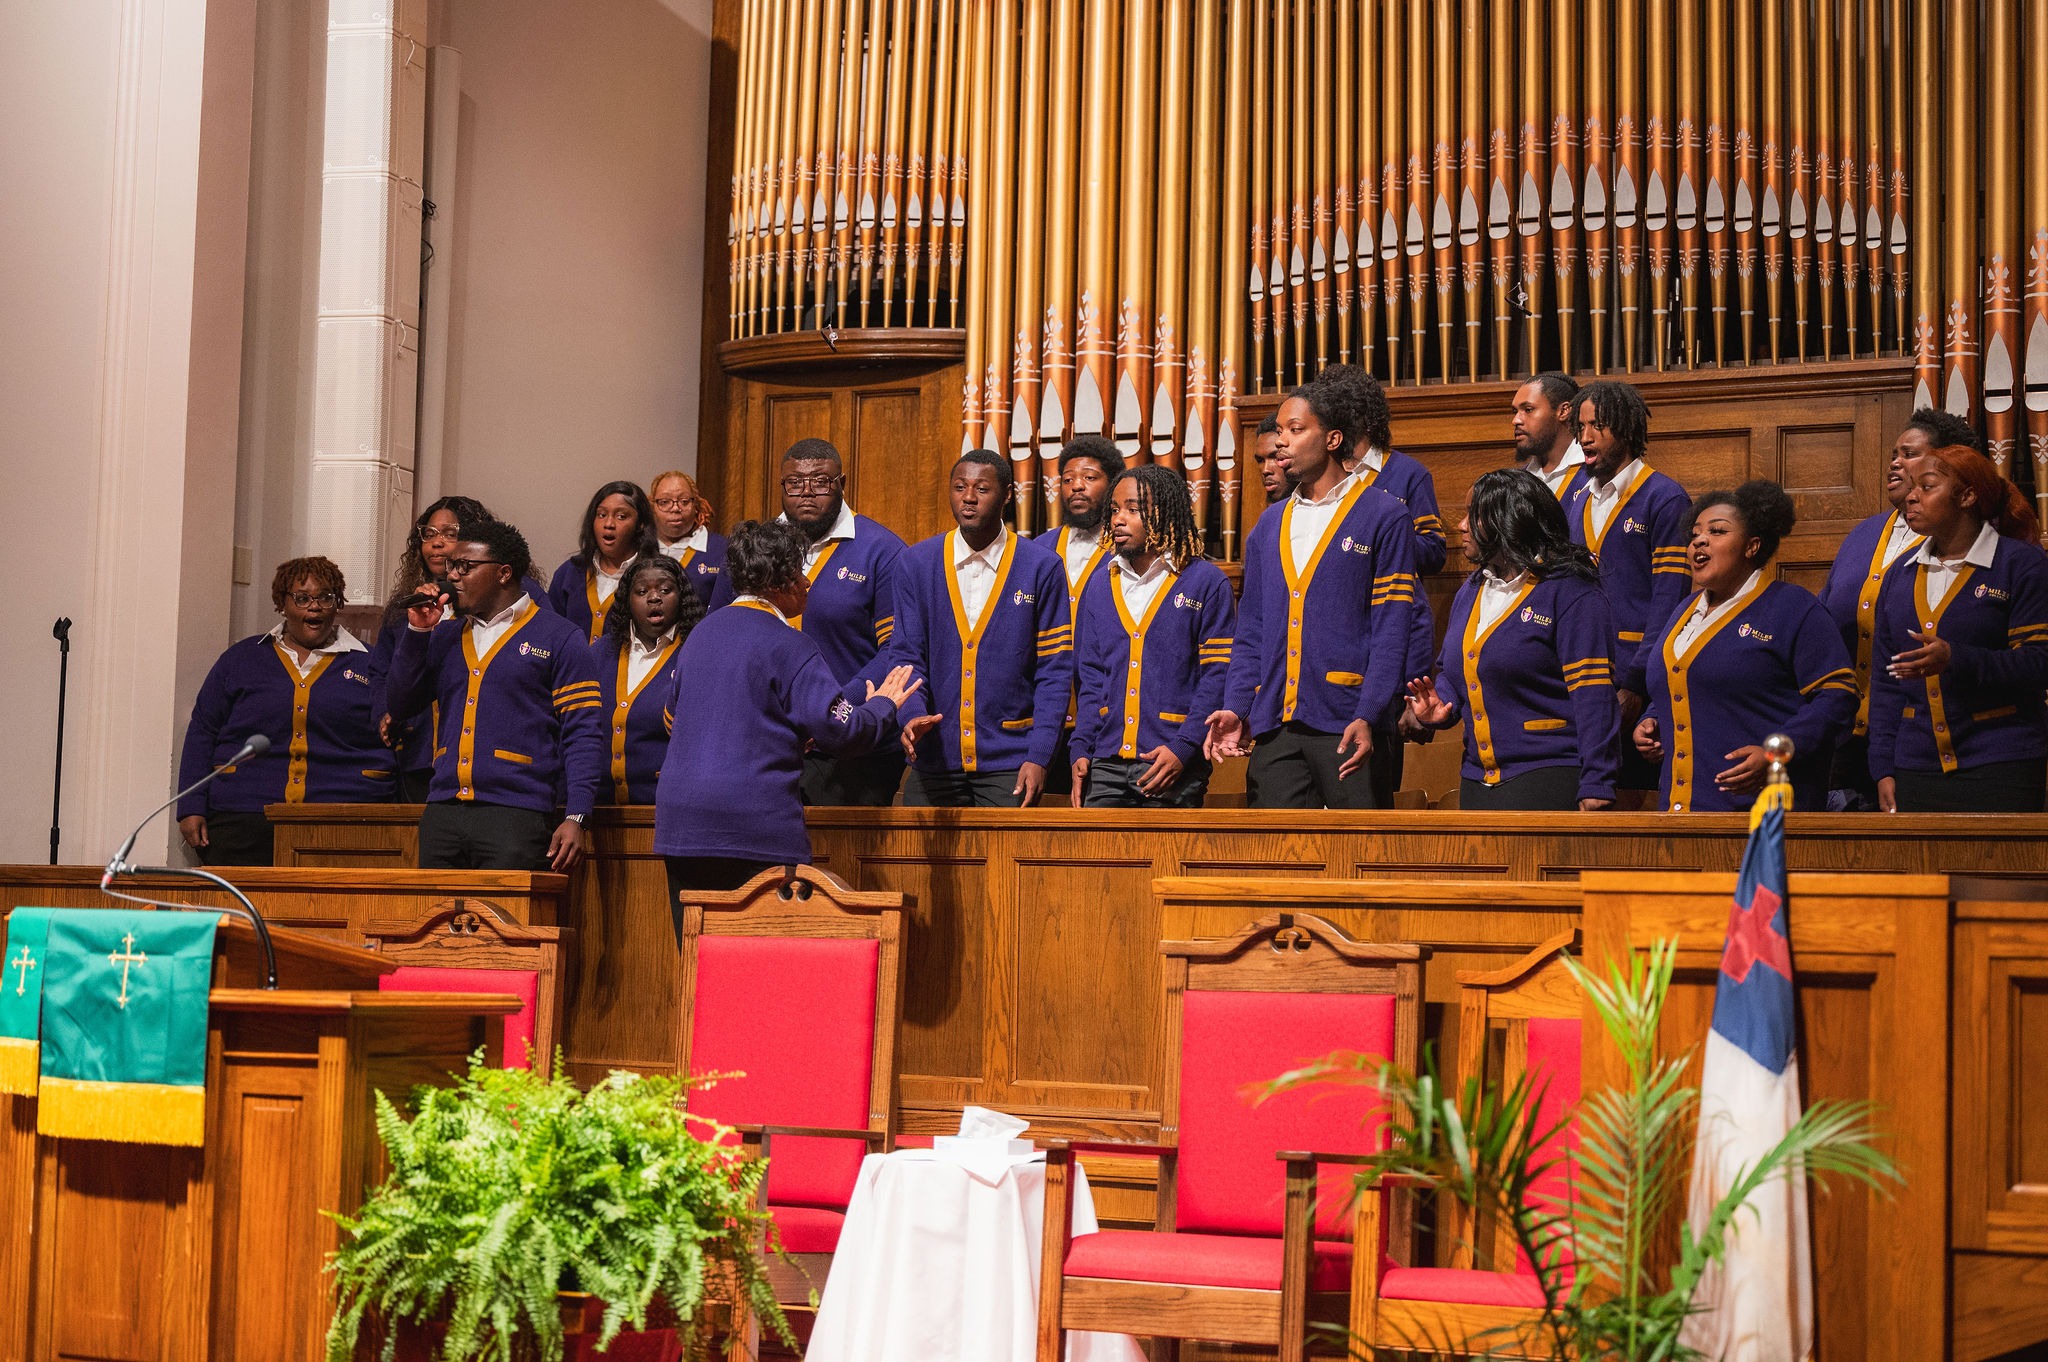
(1545, 443)
(1740, 659)
(1325, 621)
(850, 565)
(750, 692)
(1853, 583)
(635, 664)
(982, 615)
(518, 706)
(306, 686)
(682, 530)
(1527, 661)
(1637, 522)
(618, 526)
(1960, 659)
(1152, 649)
(1088, 465)
(1270, 455)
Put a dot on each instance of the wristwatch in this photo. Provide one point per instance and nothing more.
(575, 818)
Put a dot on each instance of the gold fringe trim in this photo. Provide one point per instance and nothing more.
(20, 1063)
(135, 1113)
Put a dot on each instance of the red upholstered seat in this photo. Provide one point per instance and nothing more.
(1554, 1070)
(1228, 1260)
(807, 1229)
(796, 1018)
(1458, 1286)
(524, 984)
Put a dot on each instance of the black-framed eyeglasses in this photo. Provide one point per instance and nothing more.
(303, 599)
(431, 535)
(796, 487)
(676, 503)
(462, 567)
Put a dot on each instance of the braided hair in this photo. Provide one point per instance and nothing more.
(1169, 513)
(1621, 409)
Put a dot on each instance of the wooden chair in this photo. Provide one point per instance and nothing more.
(1252, 1242)
(1521, 1019)
(795, 980)
(470, 946)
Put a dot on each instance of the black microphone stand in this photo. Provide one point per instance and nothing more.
(61, 631)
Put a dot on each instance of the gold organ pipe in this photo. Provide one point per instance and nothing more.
(746, 180)
(1262, 99)
(1798, 211)
(1848, 131)
(1657, 191)
(1827, 249)
(939, 156)
(1686, 199)
(1928, 149)
(825, 187)
(1564, 160)
(1896, 141)
(998, 238)
(1231, 321)
(1745, 186)
(1714, 198)
(1299, 143)
(977, 243)
(1775, 188)
(1169, 264)
(1063, 168)
(1628, 174)
(1599, 187)
(1093, 356)
(1415, 229)
(847, 160)
(1372, 157)
(1393, 194)
(1472, 177)
(915, 206)
(1322, 212)
(1136, 205)
(1345, 172)
(900, 43)
(2035, 380)
(1209, 266)
(1443, 239)
(974, 63)
(868, 170)
(1875, 47)
(1501, 183)
(1959, 273)
(781, 259)
(1529, 221)
(1026, 373)
(2001, 229)
(1280, 218)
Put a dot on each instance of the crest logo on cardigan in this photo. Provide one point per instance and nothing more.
(351, 674)
(1630, 525)
(1749, 631)
(1350, 545)
(1183, 601)
(1986, 589)
(1529, 615)
(529, 650)
(847, 574)
(1023, 598)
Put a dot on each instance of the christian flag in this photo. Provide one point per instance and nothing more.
(1756, 1304)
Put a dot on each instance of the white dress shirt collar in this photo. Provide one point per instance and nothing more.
(1701, 617)
(1329, 498)
(1613, 487)
(698, 539)
(764, 603)
(1982, 552)
(344, 642)
(485, 633)
(1574, 457)
(1496, 595)
(1373, 457)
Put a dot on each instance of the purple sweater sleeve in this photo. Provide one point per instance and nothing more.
(1826, 680)
(1053, 683)
(584, 751)
(2023, 663)
(1668, 590)
(1091, 669)
(1585, 630)
(1241, 686)
(1887, 696)
(210, 712)
(1212, 662)
(409, 686)
(1395, 586)
(822, 712)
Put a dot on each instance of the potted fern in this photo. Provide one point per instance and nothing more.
(514, 1200)
(1489, 1149)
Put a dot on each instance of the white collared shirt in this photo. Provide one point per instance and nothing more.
(1373, 457)
(1902, 537)
(608, 582)
(1941, 577)
(640, 658)
(1495, 596)
(1139, 589)
(976, 571)
(1574, 457)
(1306, 520)
(1605, 498)
(698, 539)
(1081, 546)
(843, 527)
(764, 603)
(1701, 617)
(484, 633)
(344, 642)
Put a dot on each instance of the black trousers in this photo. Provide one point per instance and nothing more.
(1546, 788)
(869, 781)
(237, 839)
(962, 789)
(1059, 775)
(705, 875)
(1385, 764)
(412, 786)
(1295, 767)
(1113, 784)
(1999, 787)
(458, 834)
(1850, 788)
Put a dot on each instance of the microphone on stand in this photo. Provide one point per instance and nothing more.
(121, 865)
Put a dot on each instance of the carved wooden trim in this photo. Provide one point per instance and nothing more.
(831, 350)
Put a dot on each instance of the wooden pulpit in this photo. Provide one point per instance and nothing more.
(151, 1253)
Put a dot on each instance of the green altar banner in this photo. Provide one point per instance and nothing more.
(124, 1026)
(21, 999)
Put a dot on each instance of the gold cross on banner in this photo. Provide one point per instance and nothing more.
(22, 964)
(131, 957)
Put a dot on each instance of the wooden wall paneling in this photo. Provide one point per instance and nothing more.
(1999, 1305)
(1872, 960)
(268, 1235)
(2001, 1056)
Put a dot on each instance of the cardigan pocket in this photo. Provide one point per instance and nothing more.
(1908, 712)
(1173, 718)
(519, 757)
(1103, 712)
(379, 775)
(1344, 678)
(1017, 725)
(1545, 725)
(1630, 635)
(2003, 711)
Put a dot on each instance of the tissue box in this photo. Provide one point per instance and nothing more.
(967, 1143)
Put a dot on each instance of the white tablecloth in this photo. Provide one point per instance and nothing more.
(938, 1261)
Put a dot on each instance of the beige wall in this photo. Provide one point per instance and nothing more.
(578, 248)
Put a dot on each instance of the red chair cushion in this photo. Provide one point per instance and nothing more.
(796, 1017)
(1554, 1069)
(522, 983)
(807, 1229)
(1201, 1260)
(1457, 1286)
(1229, 1182)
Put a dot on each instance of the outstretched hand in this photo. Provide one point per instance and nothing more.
(914, 731)
(1429, 708)
(897, 686)
(1226, 737)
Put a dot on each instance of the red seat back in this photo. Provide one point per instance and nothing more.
(1554, 1073)
(796, 1016)
(522, 983)
(1228, 1180)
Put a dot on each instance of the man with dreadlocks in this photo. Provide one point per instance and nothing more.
(1152, 641)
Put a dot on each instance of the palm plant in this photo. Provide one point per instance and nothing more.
(1594, 1254)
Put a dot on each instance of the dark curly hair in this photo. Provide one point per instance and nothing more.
(644, 541)
(506, 544)
(988, 458)
(689, 606)
(324, 574)
(1518, 526)
(412, 564)
(1945, 428)
(1099, 448)
(762, 556)
(1366, 421)
(1618, 407)
(1764, 508)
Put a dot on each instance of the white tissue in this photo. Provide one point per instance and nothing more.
(980, 1123)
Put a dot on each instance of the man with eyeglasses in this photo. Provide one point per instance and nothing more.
(850, 613)
(520, 715)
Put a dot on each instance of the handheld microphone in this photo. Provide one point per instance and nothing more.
(428, 594)
(256, 746)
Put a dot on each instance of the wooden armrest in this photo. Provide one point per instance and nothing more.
(755, 1132)
(1132, 1148)
(1307, 1156)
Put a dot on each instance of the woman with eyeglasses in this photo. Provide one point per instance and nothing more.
(306, 686)
(682, 527)
(618, 526)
